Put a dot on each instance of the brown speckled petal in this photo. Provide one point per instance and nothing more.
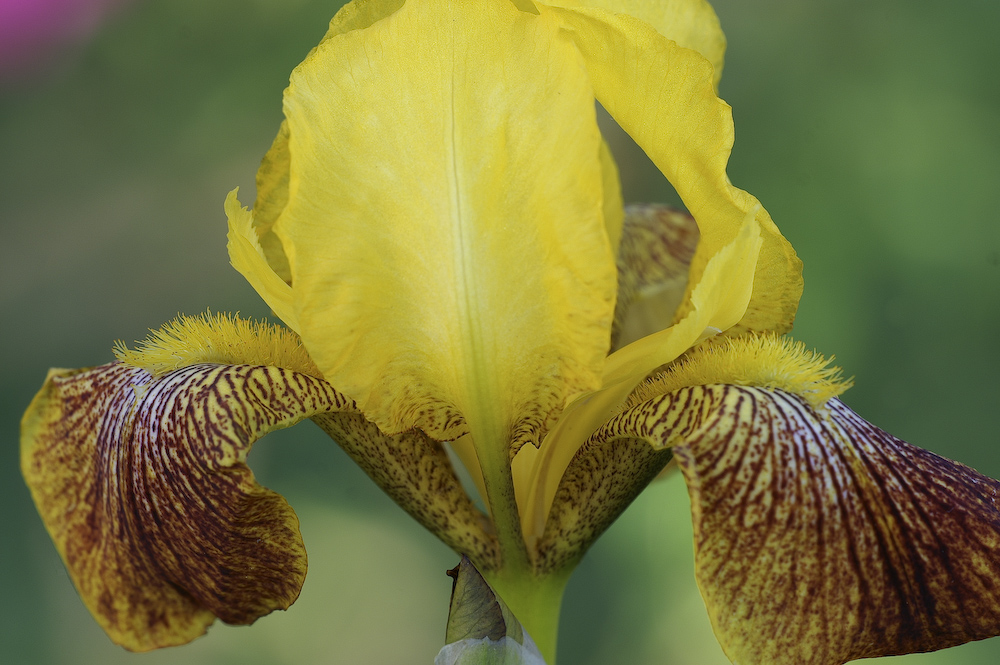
(142, 484)
(819, 538)
(414, 470)
(657, 245)
(604, 477)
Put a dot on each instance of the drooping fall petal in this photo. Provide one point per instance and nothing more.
(138, 470)
(142, 485)
(853, 542)
(819, 538)
(411, 468)
(450, 263)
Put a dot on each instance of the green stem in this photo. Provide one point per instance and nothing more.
(536, 602)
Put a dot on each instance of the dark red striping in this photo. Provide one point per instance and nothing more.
(920, 582)
(966, 489)
(851, 522)
(889, 548)
(164, 517)
(886, 554)
(851, 527)
(818, 491)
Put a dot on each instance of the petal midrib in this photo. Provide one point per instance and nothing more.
(480, 387)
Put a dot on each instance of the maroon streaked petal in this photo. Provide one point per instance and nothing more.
(143, 486)
(819, 538)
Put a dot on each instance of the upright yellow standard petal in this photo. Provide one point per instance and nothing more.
(272, 177)
(664, 97)
(614, 213)
(450, 264)
(272, 197)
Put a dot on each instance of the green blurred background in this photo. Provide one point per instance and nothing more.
(869, 130)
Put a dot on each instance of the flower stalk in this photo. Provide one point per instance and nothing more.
(536, 601)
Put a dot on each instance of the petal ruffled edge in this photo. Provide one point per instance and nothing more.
(692, 24)
(248, 257)
(273, 175)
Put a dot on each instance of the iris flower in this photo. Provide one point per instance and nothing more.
(440, 228)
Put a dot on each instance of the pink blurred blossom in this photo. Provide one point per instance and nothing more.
(32, 32)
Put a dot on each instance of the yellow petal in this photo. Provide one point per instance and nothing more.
(360, 14)
(272, 177)
(691, 23)
(272, 197)
(663, 96)
(819, 538)
(248, 257)
(447, 244)
(614, 214)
